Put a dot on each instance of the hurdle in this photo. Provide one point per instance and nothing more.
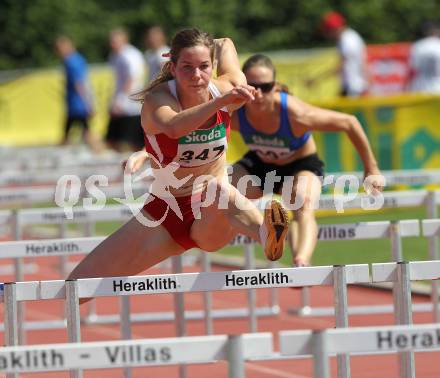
(34, 195)
(400, 273)
(358, 340)
(235, 350)
(361, 231)
(121, 213)
(40, 177)
(431, 230)
(26, 159)
(409, 198)
(73, 290)
(191, 282)
(420, 177)
(74, 246)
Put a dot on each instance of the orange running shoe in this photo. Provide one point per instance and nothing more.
(276, 223)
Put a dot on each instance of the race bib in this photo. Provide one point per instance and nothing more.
(202, 146)
(269, 147)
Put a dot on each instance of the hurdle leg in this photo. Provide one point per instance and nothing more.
(321, 366)
(89, 230)
(124, 306)
(207, 296)
(234, 352)
(396, 251)
(19, 276)
(179, 310)
(432, 213)
(251, 293)
(73, 319)
(273, 298)
(63, 259)
(406, 359)
(10, 318)
(341, 314)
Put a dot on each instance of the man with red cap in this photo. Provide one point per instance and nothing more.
(352, 52)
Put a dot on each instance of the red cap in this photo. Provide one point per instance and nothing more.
(332, 20)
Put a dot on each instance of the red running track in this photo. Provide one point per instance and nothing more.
(362, 366)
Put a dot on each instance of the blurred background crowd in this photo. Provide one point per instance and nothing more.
(379, 60)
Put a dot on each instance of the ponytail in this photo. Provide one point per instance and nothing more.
(281, 87)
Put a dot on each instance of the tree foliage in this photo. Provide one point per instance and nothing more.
(30, 27)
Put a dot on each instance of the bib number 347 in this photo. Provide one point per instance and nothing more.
(205, 154)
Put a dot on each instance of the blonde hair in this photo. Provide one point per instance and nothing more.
(183, 39)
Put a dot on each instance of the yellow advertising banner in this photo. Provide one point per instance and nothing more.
(404, 130)
(32, 107)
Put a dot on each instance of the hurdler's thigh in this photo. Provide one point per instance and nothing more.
(212, 230)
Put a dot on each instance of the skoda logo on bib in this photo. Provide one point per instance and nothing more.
(269, 147)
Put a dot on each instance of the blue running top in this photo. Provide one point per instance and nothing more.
(272, 147)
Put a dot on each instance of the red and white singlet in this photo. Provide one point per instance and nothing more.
(202, 146)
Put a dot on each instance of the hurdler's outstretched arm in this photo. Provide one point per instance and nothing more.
(307, 117)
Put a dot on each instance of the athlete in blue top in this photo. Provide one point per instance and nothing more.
(277, 127)
(78, 91)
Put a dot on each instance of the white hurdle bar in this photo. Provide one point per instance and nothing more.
(395, 199)
(137, 353)
(401, 176)
(26, 160)
(73, 290)
(32, 195)
(38, 177)
(357, 341)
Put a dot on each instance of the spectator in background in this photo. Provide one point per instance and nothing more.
(424, 61)
(78, 90)
(124, 129)
(352, 52)
(155, 41)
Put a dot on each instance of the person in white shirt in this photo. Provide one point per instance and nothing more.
(155, 41)
(352, 52)
(424, 61)
(124, 129)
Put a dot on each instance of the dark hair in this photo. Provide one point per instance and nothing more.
(430, 28)
(183, 39)
(261, 60)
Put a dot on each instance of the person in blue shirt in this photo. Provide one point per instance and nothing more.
(78, 92)
(276, 127)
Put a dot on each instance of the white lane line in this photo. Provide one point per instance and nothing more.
(273, 372)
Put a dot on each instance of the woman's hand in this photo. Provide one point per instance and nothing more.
(239, 95)
(135, 161)
(374, 181)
